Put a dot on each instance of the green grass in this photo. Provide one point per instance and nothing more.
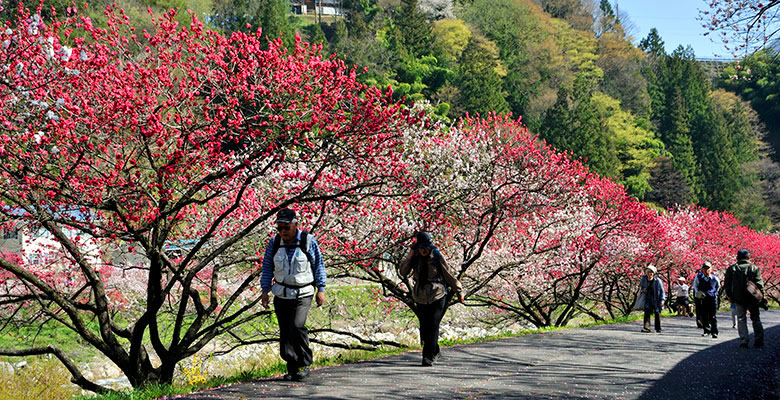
(40, 336)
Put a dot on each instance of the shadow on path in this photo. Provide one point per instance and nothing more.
(724, 371)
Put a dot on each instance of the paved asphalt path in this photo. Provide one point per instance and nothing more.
(605, 362)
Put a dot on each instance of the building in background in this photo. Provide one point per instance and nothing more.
(316, 7)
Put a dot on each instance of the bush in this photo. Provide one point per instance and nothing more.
(39, 380)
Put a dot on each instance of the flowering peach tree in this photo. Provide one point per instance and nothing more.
(143, 170)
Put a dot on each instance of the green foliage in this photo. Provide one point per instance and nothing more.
(721, 178)
(636, 146)
(576, 124)
(40, 336)
(526, 48)
(676, 135)
(413, 29)
(450, 38)
(708, 134)
(757, 80)
(480, 84)
(573, 12)
(653, 44)
(621, 63)
(738, 126)
(315, 34)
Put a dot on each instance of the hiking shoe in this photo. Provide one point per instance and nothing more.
(302, 374)
(289, 377)
(427, 362)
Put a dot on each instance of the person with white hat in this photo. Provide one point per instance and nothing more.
(682, 304)
(653, 289)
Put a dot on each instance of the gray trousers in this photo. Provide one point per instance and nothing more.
(758, 329)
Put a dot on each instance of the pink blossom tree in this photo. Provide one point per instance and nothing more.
(155, 161)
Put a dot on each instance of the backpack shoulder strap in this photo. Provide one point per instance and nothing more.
(303, 244)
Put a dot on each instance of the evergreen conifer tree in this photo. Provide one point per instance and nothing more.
(414, 29)
(480, 85)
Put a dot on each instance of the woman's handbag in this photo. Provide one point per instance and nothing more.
(640, 302)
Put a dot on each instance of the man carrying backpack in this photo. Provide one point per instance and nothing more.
(293, 263)
(736, 284)
(431, 281)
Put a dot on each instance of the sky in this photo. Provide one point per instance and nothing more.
(676, 23)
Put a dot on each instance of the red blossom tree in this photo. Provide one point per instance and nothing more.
(154, 162)
(533, 235)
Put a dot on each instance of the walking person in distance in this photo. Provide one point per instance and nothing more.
(653, 289)
(738, 277)
(706, 286)
(432, 281)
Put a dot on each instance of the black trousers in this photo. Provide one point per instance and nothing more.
(657, 314)
(697, 305)
(430, 316)
(293, 335)
(707, 311)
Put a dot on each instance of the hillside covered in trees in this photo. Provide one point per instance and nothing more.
(647, 116)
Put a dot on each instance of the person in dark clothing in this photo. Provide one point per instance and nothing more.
(431, 277)
(655, 296)
(706, 286)
(735, 283)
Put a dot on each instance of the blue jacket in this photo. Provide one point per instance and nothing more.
(707, 284)
(655, 293)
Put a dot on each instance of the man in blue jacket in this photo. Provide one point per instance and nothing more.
(706, 287)
(294, 272)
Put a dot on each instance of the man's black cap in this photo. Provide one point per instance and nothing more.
(286, 216)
